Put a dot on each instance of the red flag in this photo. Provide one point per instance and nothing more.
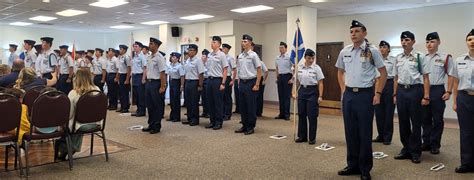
(73, 53)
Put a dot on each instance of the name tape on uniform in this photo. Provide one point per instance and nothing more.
(325, 147)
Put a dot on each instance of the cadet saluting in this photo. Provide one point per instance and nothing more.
(464, 104)
(310, 94)
(356, 74)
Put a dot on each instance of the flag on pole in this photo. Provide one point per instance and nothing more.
(73, 53)
(297, 42)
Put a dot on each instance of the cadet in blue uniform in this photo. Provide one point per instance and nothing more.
(48, 60)
(261, 90)
(357, 65)
(112, 86)
(250, 74)
(66, 70)
(123, 77)
(440, 65)
(463, 73)
(99, 65)
(231, 74)
(217, 71)
(411, 92)
(310, 94)
(138, 79)
(385, 110)
(155, 87)
(205, 107)
(284, 75)
(13, 56)
(194, 77)
(30, 56)
(176, 73)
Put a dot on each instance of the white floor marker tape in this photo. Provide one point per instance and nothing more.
(437, 167)
(136, 127)
(325, 147)
(278, 137)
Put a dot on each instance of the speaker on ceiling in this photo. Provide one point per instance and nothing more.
(175, 31)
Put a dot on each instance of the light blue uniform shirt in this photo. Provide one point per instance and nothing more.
(463, 70)
(155, 65)
(216, 62)
(123, 62)
(47, 61)
(264, 67)
(436, 63)
(247, 65)
(112, 65)
(30, 58)
(309, 75)
(360, 72)
(206, 69)
(231, 63)
(193, 68)
(138, 63)
(410, 68)
(99, 64)
(175, 71)
(65, 62)
(284, 64)
(11, 58)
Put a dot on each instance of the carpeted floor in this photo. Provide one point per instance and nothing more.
(184, 152)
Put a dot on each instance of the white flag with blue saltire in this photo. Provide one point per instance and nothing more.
(297, 40)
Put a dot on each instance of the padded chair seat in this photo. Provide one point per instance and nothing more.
(7, 137)
(38, 136)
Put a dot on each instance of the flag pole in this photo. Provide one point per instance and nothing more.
(131, 68)
(295, 75)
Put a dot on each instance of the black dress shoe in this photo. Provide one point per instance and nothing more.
(463, 169)
(259, 115)
(402, 156)
(192, 123)
(300, 140)
(365, 177)
(124, 111)
(168, 119)
(425, 148)
(249, 132)
(416, 160)
(147, 129)
(133, 114)
(434, 151)
(237, 112)
(377, 140)
(113, 108)
(241, 130)
(154, 131)
(279, 117)
(348, 171)
(217, 127)
(311, 142)
(287, 119)
(175, 120)
(139, 115)
(185, 122)
(209, 126)
(387, 143)
(118, 110)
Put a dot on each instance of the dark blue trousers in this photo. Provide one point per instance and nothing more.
(358, 113)
(384, 113)
(139, 93)
(284, 94)
(97, 79)
(308, 111)
(191, 96)
(433, 122)
(175, 99)
(155, 103)
(215, 100)
(204, 99)
(410, 116)
(112, 90)
(260, 94)
(465, 111)
(228, 98)
(124, 92)
(248, 103)
(236, 96)
(62, 85)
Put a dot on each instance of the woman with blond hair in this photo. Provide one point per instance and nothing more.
(82, 84)
(28, 79)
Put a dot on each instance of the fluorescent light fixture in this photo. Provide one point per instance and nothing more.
(252, 9)
(108, 3)
(154, 22)
(43, 18)
(121, 27)
(20, 23)
(196, 17)
(71, 12)
(318, 1)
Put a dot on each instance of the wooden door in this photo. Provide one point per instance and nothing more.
(326, 54)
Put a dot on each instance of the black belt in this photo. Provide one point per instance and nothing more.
(356, 89)
(137, 74)
(247, 80)
(441, 85)
(211, 77)
(153, 80)
(308, 86)
(468, 92)
(408, 86)
(192, 80)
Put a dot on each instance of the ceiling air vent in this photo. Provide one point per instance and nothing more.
(128, 23)
(48, 24)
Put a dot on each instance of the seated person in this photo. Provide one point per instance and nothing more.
(24, 123)
(9, 80)
(82, 84)
(4, 70)
(27, 79)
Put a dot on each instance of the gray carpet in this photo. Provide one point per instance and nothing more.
(184, 152)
